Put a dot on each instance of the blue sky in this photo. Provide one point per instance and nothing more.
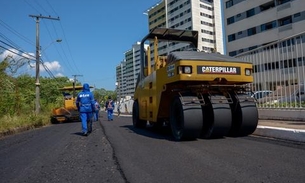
(94, 33)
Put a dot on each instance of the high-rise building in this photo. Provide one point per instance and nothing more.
(205, 16)
(120, 80)
(251, 24)
(127, 71)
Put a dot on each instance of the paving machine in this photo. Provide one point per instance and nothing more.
(69, 111)
(197, 94)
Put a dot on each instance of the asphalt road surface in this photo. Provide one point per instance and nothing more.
(117, 152)
(58, 153)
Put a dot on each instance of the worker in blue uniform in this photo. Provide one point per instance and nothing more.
(109, 107)
(97, 111)
(86, 106)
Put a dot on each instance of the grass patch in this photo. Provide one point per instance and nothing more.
(12, 124)
(284, 105)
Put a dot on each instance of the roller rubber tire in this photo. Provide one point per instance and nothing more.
(137, 122)
(185, 121)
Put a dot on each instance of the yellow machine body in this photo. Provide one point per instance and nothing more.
(154, 92)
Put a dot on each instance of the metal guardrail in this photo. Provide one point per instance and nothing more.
(279, 67)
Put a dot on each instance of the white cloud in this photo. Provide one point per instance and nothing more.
(5, 54)
(52, 66)
(29, 55)
(59, 75)
(31, 65)
(16, 55)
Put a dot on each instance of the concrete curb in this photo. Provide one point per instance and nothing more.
(281, 133)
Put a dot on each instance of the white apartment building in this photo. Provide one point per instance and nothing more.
(120, 80)
(205, 16)
(270, 34)
(251, 24)
(127, 71)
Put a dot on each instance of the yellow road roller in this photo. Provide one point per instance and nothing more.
(197, 94)
(68, 112)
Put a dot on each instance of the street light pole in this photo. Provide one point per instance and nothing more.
(37, 82)
(118, 90)
(119, 93)
(56, 41)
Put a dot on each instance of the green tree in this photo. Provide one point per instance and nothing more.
(25, 94)
(50, 94)
(18, 95)
(6, 90)
(101, 95)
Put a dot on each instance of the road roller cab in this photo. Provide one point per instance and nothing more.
(197, 94)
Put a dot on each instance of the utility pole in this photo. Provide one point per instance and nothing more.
(74, 81)
(37, 83)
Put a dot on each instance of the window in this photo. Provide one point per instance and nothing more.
(252, 47)
(209, 1)
(230, 20)
(229, 4)
(232, 53)
(282, 1)
(297, 15)
(285, 21)
(231, 37)
(251, 31)
(250, 13)
(267, 26)
(267, 6)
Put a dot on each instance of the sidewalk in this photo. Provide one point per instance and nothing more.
(287, 130)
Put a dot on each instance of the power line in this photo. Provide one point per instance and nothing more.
(41, 7)
(68, 62)
(47, 69)
(18, 52)
(66, 57)
(31, 6)
(51, 7)
(15, 32)
(41, 61)
(69, 51)
(8, 40)
(16, 49)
